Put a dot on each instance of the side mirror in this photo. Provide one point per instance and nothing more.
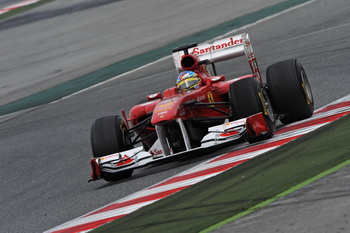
(216, 79)
(154, 96)
(209, 82)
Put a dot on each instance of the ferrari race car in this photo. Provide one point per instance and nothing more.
(202, 110)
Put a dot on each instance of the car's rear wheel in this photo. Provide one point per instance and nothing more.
(290, 91)
(248, 97)
(108, 136)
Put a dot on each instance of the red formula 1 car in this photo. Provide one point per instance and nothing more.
(202, 110)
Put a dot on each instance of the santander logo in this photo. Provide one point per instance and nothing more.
(230, 43)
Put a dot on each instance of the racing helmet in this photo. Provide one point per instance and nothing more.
(188, 80)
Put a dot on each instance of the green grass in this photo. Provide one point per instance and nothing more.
(245, 188)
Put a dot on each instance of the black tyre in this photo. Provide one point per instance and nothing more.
(248, 97)
(290, 91)
(108, 136)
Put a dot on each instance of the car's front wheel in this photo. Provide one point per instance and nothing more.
(248, 97)
(108, 136)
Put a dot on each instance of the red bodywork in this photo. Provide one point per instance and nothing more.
(171, 104)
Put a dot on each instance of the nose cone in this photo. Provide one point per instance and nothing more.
(166, 110)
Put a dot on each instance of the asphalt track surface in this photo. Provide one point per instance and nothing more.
(45, 152)
(6, 3)
(65, 39)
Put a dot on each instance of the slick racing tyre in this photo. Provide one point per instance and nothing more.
(290, 91)
(108, 136)
(248, 97)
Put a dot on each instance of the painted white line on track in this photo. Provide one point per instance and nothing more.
(317, 32)
(265, 19)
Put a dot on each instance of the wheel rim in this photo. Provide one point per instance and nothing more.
(267, 107)
(306, 87)
(127, 141)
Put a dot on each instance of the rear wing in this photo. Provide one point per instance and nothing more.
(219, 50)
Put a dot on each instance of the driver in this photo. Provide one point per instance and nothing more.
(188, 80)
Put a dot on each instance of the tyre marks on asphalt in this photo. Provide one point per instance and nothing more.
(205, 170)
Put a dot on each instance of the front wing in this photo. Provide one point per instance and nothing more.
(229, 132)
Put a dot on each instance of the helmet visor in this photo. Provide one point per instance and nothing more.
(189, 83)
